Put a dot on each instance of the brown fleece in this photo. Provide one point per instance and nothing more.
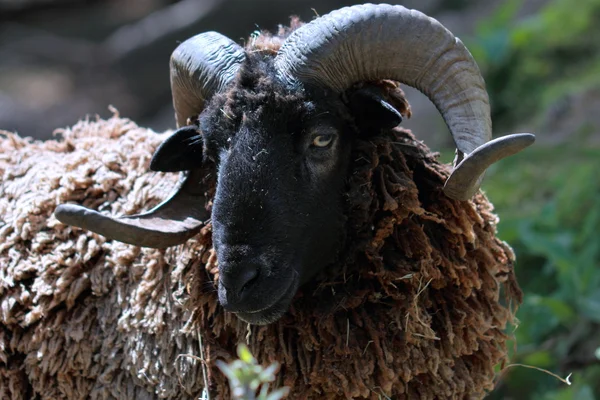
(417, 309)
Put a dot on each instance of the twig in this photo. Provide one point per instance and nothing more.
(206, 392)
(564, 380)
(347, 331)
(248, 334)
(426, 337)
(422, 289)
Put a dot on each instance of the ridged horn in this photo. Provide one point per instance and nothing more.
(170, 223)
(201, 66)
(467, 174)
(371, 42)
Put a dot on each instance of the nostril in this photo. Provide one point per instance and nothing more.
(247, 278)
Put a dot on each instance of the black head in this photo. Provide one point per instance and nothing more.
(282, 156)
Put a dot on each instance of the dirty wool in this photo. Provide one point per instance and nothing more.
(416, 308)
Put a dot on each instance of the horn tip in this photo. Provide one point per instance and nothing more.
(71, 214)
(525, 139)
(465, 179)
(507, 145)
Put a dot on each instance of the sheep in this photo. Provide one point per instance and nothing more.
(391, 257)
(280, 130)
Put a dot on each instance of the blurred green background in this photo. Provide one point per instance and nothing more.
(544, 72)
(63, 59)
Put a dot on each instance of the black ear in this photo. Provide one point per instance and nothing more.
(370, 109)
(182, 151)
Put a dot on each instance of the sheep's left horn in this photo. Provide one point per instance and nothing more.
(468, 173)
(201, 66)
(170, 223)
(371, 42)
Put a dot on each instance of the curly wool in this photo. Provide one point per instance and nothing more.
(415, 311)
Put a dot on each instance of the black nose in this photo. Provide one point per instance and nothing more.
(237, 280)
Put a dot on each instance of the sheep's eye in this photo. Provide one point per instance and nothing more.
(322, 140)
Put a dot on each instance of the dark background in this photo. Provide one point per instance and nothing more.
(64, 60)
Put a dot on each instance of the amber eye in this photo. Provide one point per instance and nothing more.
(322, 140)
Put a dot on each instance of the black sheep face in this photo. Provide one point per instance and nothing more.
(278, 212)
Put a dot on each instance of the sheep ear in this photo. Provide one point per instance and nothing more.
(182, 151)
(371, 111)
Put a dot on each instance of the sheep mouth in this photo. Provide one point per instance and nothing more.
(273, 312)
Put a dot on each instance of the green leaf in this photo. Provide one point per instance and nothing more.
(590, 306)
(559, 308)
(540, 359)
(268, 374)
(244, 354)
(226, 370)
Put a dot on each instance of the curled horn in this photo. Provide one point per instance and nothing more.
(370, 42)
(200, 67)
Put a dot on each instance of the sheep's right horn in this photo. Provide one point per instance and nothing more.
(201, 66)
(170, 223)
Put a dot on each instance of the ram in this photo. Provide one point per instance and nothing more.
(372, 268)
